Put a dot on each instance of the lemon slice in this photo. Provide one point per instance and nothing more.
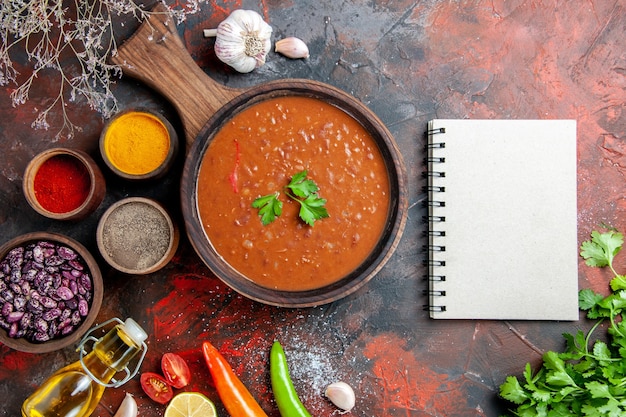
(190, 404)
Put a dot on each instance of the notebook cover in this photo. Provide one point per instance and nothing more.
(510, 247)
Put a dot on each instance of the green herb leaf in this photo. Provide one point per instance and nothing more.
(576, 346)
(602, 248)
(312, 209)
(301, 187)
(530, 378)
(512, 390)
(611, 408)
(615, 302)
(269, 207)
(601, 352)
(598, 390)
(557, 375)
(587, 299)
(542, 396)
(592, 302)
(618, 283)
(304, 191)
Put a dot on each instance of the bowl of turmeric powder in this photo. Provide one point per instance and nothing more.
(139, 144)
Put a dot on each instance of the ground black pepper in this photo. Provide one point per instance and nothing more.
(136, 236)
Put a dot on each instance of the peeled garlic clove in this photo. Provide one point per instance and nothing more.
(341, 394)
(128, 408)
(292, 48)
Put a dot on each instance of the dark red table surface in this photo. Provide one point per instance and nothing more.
(409, 62)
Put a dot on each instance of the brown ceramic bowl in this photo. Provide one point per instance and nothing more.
(34, 285)
(96, 184)
(137, 236)
(113, 128)
(397, 211)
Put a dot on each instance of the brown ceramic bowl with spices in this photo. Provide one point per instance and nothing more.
(64, 184)
(139, 144)
(50, 291)
(137, 236)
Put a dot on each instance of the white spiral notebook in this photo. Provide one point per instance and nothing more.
(502, 219)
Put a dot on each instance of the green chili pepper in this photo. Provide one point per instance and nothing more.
(285, 393)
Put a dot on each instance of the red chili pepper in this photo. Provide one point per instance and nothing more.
(233, 393)
(234, 176)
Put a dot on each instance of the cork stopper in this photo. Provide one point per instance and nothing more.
(134, 331)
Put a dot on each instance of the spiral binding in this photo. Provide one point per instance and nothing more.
(440, 233)
(436, 309)
(436, 188)
(435, 191)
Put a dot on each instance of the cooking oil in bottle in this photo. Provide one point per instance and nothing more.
(75, 390)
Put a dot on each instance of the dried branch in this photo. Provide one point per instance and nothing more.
(48, 31)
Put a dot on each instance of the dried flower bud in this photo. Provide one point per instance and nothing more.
(292, 48)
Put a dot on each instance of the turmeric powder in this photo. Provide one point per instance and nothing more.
(136, 143)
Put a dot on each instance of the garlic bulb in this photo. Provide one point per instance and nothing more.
(243, 40)
(292, 48)
(341, 394)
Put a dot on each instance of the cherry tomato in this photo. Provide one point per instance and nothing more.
(175, 370)
(156, 387)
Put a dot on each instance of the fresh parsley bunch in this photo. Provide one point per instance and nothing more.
(300, 189)
(589, 378)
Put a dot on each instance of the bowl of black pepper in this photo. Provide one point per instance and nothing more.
(137, 236)
(50, 292)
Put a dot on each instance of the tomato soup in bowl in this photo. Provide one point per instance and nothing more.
(248, 225)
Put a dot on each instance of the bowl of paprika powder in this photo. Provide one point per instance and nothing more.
(64, 184)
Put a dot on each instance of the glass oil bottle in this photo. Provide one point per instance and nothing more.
(75, 390)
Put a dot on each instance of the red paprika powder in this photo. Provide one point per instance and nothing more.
(61, 184)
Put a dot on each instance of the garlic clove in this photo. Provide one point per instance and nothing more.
(341, 394)
(292, 48)
(128, 408)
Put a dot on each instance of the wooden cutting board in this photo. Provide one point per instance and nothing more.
(156, 55)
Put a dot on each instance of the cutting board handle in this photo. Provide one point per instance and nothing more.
(156, 55)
